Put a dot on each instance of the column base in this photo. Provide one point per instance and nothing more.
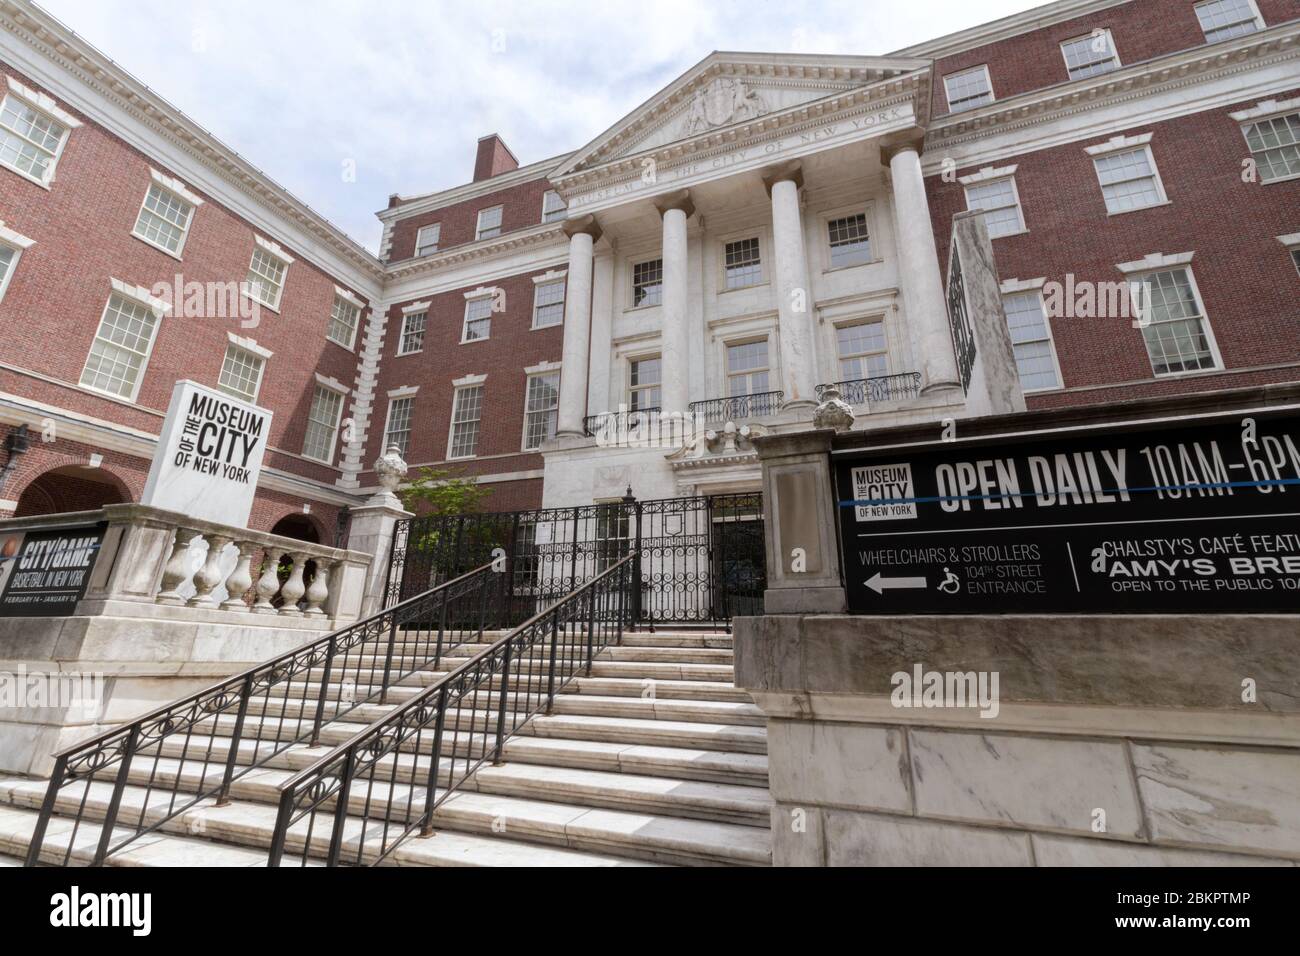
(936, 388)
(805, 601)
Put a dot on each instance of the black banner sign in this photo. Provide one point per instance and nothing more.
(1178, 517)
(44, 573)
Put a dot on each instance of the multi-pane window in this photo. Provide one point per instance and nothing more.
(398, 431)
(863, 351)
(968, 89)
(489, 223)
(553, 207)
(1091, 55)
(29, 140)
(1275, 146)
(8, 257)
(648, 282)
(1174, 324)
(266, 278)
(322, 424)
(478, 318)
(164, 219)
(548, 304)
(1001, 205)
(467, 409)
(646, 377)
(413, 325)
(241, 373)
(1128, 180)
(849, 241)
(344, 316)
(747, 368)
(121, 347)
(542, 409)
(1225, 19)
(743, 264)
(1031, 340)
(426, 240)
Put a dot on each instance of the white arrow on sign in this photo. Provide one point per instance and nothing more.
(879, 584)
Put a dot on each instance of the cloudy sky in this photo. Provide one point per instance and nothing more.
(402, 89)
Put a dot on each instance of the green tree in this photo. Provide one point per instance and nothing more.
(448, 543)
(441, 491)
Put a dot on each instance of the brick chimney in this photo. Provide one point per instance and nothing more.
(494, 158)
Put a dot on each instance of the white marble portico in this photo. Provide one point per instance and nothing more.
(745, 147)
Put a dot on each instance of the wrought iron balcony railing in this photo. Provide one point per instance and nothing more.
(885, 388)
(622, 421)
(737, 408)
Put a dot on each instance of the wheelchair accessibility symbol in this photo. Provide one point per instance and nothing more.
(951, 584)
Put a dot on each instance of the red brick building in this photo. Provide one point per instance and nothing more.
(765, 225)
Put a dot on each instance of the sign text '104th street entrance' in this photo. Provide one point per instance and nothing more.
(1178, 516)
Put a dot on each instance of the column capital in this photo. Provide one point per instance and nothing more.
(791, 170)
(679, 200)
(583, 225)
(901, 142)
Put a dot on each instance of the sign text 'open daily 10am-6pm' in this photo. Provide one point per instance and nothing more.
(1174, 516)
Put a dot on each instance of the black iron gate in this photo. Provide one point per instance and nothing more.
(701, 559)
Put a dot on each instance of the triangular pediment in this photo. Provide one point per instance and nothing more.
(734, 90)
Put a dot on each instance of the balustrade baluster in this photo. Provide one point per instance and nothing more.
(209, 576)
(241, 578)
(177, 571)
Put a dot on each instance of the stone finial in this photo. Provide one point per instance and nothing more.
(833, 412)
(390, 469)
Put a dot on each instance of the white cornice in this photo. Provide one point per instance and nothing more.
(482, 249)
(466, 380)
(16, 239)
(1116, 143)
(1290, 241)
(140, 294)
(176, 186)
(1007, 27)
(60, 60)
(430, 202)
(1267, 108)
(249, 345)
(988, 173)
(1022, 285)
(1156, 260)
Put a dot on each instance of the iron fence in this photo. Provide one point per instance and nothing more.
(882, 388)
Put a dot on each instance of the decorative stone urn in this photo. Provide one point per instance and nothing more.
(390, 469)
(833, 411)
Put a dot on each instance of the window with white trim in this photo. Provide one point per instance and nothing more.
(742, 264)
(1031, 340)
(849, 241)
(489, 223)
(478, 319)
(8, 263)
(863, 351)
(1000, 202)
(30, 140)
(747, 368)
(164, 219)
(645, 378)
(1129, 180)
(648, 282)
(1174, 324)
(548, 304)
(426, 239)
(266, 277)
(1275, 146)
(322, 424)
(398, 430)
(412, 338)
(553, 207)
(344, 318)
(1091, 55)
(1225, 19)
(241, 373)
(121, 348)
(1295, 259)
(968, 89)
(467, 410)
(541, 409)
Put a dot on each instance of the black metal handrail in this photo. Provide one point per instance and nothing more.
(384, 784)
(737, 408)
(324, 678)
(623, 420)
(882, 388)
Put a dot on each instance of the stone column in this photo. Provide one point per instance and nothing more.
(371, 529)
(675, 209)
(793, 289)
(918, 270)
(583, 234)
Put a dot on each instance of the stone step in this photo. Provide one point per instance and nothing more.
(712, 711)
(738, 738)
(722, 803)
(668, 689)
(245, 825)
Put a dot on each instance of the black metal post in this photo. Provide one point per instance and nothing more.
(47, 810)
(550, 668)
(501, 706)
(245, 692)
(115, 802)
(573, 570)
(388, 661)
(324, 691)
(431, 789)
(341, 814)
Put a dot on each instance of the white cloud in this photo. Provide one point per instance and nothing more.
(405, 89)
